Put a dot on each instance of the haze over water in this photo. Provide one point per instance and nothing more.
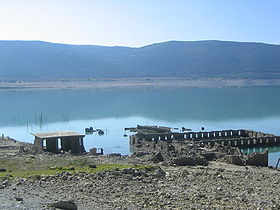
(25, 112)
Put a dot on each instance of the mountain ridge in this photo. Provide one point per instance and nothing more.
(187, 59)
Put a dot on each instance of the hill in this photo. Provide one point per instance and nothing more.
(190, 59)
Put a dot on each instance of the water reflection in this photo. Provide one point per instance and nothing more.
(171, 105)
(24, 112)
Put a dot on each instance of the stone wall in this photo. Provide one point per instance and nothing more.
(235, 138)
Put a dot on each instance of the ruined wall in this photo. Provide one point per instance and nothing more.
(75, 144)
(194, 135)
(38, 145)
(244, 142)
(235, 138)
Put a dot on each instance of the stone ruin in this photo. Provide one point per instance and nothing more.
(57, 142)
(200, 147)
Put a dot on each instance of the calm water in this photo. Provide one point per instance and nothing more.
(24, 112)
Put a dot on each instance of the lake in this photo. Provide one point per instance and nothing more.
(25, 112)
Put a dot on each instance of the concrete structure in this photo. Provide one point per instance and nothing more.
(235, 138)
(56, 142)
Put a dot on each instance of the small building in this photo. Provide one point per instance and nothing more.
(56, 142)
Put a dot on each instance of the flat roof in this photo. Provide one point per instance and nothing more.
(58, 134)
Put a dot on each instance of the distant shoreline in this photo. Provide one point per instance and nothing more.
(135, 83)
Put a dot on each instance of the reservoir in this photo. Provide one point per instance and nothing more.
(25, 112)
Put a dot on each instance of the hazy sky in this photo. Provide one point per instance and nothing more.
(139, 22)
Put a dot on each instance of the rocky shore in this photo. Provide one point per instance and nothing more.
(132, 182)
(216, 186)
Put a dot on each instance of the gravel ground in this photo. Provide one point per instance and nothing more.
(216, 186)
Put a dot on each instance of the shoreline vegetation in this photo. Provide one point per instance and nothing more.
(14, 84)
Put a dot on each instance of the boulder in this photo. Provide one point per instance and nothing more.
(158, 173)
(3, 170)
(114, 155)
(19, 199)
(93, 151)
(69, 205)
(234, 159)
(92, 166)
(258, 159)
(189, 161)
(158, 157)
(209, 156)
(139, 154)
(200, 160)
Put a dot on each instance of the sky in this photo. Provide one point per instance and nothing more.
(137, 23)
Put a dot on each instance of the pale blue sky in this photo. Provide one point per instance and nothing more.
(139, 22)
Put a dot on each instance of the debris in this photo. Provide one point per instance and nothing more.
(92, 166)
(158, 157)
(115, 155)
(69, 205)
(19, 199)
(100, 132)
(258, 159)
(89, 130)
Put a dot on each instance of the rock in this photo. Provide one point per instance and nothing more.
(92, 166)
(139, 154)
(70, 205)
(158, 157)
(93, 151)
(128, 171)
(127, 176)
(209, 156)
(189, 161)
(159, 173)
(234, 159)
(37, 177)
(200, 160)
(19, 199)
(5, 182)
(220, 169)
(185, 173)
(3, 170)
(183, 161)
(115, 155)
(258, 159)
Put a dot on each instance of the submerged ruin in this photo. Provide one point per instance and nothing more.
(234, 138)
(56, 142)
(181, 148)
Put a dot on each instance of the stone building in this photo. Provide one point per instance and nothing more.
(56, 142)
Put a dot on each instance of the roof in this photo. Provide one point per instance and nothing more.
(58, 134)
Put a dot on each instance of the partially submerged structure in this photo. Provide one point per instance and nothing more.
(196, 148)
(56, 142)
(234, 138)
